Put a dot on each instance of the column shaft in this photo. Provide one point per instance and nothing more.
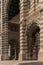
(4, 31)
(24, 8)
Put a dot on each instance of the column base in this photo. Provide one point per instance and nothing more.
(22, 56)
(40, 56)
(4, 58)
(0, 57)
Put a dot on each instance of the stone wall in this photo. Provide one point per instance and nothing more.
(41, 25)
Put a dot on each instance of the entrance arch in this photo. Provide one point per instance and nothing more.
(33, 41)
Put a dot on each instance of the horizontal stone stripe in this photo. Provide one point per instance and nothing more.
(22, 28)
(5, 46)
(4, 52)
(4, 39)
(22, 32)
(4, 34)
(41, 32)
(41, 25)
(22, 35)
(41, 36)
(23, 48)
(41, 28)
(5, 28)
(22, 39)
(24, 8)
(41, 44)
(5, 42)
(41, 39)
(23, 2)
(23, 44)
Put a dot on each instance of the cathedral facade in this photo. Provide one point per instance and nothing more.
(21, 29)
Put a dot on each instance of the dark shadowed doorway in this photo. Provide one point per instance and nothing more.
(33, 41)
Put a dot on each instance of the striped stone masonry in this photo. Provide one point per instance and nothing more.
(23, 42)
(29, 12)
(41, 25)
(4, 31)
(24, 11)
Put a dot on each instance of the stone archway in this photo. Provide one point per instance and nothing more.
(33, 41)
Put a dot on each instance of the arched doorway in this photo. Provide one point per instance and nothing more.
(33, 41)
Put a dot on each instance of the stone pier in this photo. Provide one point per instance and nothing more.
(24, 8)
(4, 30)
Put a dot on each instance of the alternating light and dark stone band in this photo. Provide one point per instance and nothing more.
(5, 45)
(24, 6)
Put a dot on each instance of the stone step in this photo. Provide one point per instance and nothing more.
(21, 63)
(31, 63)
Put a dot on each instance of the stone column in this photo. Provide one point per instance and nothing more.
(24, 8)
(4, 24)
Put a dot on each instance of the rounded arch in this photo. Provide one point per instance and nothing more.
(33, 41)
(34, 28)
